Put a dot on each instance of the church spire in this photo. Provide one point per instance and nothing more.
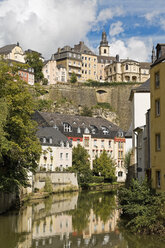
(104, 47)
(153, 57)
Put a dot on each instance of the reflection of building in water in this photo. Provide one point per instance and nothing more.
(52, 225)
(96, 225)
(24, 225)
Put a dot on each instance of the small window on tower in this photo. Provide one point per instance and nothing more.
(105, 51)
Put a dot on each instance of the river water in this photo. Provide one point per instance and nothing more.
(68, 221)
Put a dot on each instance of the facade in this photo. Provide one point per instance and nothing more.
(54, 73)
(94, 134)
(56, 150)
(127, 71)
(12, 52)
(140, 101)
(158, 119)
(27, 75)
(89, 62)
(70, 59)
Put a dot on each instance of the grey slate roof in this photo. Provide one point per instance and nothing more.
(75, 121)
(7, 49)
(82, 48)
(129, 132)
(104, 59)
(50, 132)
(145, 87)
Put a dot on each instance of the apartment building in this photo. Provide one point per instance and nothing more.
(94, 134)
(69, 59)
(158, 119)
(56, 150)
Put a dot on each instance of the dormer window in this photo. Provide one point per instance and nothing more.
(61, 143)
(86, 130)
(78, 130)
(67, 127)
(50, 140)
(55, 127)
(67, 144)
(44, 140)
(93, 129)
(105, 130)
(120, 134)
(41, 140)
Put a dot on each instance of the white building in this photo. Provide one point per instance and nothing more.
(56, 150)
(94, 134)
(13, 52)
(140, 99)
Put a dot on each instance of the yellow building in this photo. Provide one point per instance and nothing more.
(158, 119)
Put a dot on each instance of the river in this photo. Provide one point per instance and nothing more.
(70, 220)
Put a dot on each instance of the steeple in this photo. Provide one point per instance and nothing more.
(153, 57)
(104, 47)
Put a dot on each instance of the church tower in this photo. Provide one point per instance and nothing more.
(104, 47)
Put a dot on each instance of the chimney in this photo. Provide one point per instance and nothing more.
(117, 57)
(17, 43)
(59, 50)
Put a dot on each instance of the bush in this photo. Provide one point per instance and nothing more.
(142, 209)
(48, 185)
(96, 179)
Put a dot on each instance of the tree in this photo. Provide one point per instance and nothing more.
(104, 166)
(86, 111)
(33, 60)
(19, 146)
(81, 165)
(73, 78)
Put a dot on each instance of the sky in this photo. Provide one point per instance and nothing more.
(132, 27)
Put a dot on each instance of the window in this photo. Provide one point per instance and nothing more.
(157, 107)
(86, 142)
(114, 69)
(120, 174)
(158, 181)
(109, 143)
(67, 155)
(105, 130)
(102, 143)
(78, 130)
(61, 154)
(85, 58)
(126, 67)
(157, 80)
(86, 130)
(95, 143)
(157, 138)
(67, 127)
(105, 50)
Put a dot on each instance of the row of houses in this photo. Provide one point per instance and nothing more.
(148, 124)
(81, 60)
(58, 133)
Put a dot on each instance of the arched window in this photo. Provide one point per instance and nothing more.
(120, 174)
(105, 130)
(86, 130)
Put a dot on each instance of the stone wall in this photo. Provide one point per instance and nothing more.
(60, 181)
(79, 95)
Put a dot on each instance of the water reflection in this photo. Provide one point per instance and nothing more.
(69, 221)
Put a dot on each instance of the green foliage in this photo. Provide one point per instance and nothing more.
(103, 105)
(48, 185)
(104, 166)
(144, 211)
(73, 78)
(86, 112)
(44, 105)
(97, 179)
(127, 159)
(81, 165)
(45, 81)
(34, 61)
(19, 146)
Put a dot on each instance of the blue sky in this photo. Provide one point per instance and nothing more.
(132, 27)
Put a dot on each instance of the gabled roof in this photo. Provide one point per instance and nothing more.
(75, 121)
(50, 132)
(145, 65)
(145, 87)
(7, 49)
(82, 48)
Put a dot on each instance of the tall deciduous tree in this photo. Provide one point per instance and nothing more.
(104, 166)
(33, 60)
(19, 146)
(81, 165)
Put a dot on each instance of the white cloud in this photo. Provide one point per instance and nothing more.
(116, 28)
(45, 25)
(109, 13)
(133, 48)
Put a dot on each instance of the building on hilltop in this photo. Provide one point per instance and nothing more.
(158, 119)
(69, 59)
(127, 71)
(94, 134)
(54, 73)
(56, 150)
(13, 52)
